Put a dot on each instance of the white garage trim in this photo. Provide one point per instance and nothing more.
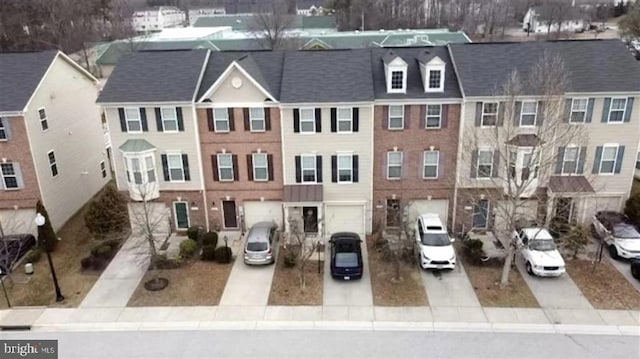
(360, 206)
(258, 211)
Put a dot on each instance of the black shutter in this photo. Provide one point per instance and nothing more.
(567, 110)
(159, 125)
(250, 167)
(356, 119)
(319, 169)
(559, 160)
(210, 122)
(296, 120)
(234, 159)
(407, 116)
(245, 116)
(318, 114)
(444, 116)
(619, 159)
(165, 167)
(496, 163)
(334, 119)
(270, 166)
(590, 109)
(478, 120)
(185, 168)
(605, 110)
(180, 120)
(214, 166)
(334, 169)
(474, 164)
(123, 121)
(518, 114)
(267, 119)
(143, 119)
(628, 109)
(423, 116)
(540, 113)
(385, 117)
(355, 169)
(298, 169)
(232, 120)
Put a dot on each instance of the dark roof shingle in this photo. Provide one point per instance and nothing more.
(20, 74)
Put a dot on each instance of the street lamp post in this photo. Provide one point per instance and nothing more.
(40, 221)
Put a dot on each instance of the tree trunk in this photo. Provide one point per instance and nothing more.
(504, 278)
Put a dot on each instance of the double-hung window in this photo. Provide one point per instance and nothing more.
(221, 118)
(169, 119)
(570, 160)
(175, 167)
(485, 163)
(307, 121)
(608, 159)
(53, 165)
(3, 129)
(489, 113)
(578, 110)
(225, 167)
(345, 119)
(616, 111)
(394, 164)
(430, 164)
(260, 167)
(134, 122)
(345, 168)
(308, 163)
(44, 120)
(434, 115)
(528, 113)
(9, 175)
(140, 169)
(396, 117)
(256, 114)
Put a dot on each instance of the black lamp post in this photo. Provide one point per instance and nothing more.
(40, 221)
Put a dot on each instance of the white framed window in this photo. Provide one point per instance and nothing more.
(435, 79)
(133, 119)
(617, 109)
(394, 164)
(397, 80)
(3, 129)
(489, 114)
(103, 169)
(225, 167)
(308, 164)
(53, 164)
(528, 113)
(578, 110)
(260, 167)
(9, 176)
(485, 163)
(174, 165)
(140, 168)
(307, 120)
(169, 119)
(345, 168)
(608, 159)
(44, 120)
(221, 119)
(430, 164)
(396, 117)
(256, 116)
(570, 160)
(434, 116)
(345, 119)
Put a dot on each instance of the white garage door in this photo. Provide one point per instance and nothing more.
(344, 219)
(439, 206)
(256, 211)
(595, 204)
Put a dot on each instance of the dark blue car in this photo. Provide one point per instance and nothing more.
(346, 256)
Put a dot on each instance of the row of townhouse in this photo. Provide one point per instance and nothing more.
(341, 138)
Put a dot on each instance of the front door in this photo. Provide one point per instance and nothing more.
(310, 219)
(181, 211)
(564, 209)
(393, 213)
(229, 213)
(480, 214)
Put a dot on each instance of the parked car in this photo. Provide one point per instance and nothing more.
(261, 244)
(539, 251)
(434, 243)
(635, 268)
(12, 248)
(346, 256)
(617, 231)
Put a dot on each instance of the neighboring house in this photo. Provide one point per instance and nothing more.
(601, 97)
(194, 14)
(536, 22)
(157, 18)
(309, 7)
(416, 126)
(51, 139)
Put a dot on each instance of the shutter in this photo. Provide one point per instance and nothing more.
(318, 113)
(7, 128)
(123, 121)
(596, 160)
(581, 159)
(440, 164)
(180, 119)
(423, 116)
(250, 167)
(234, 159)
(159, 125)
(518, 114)
(355, 168)
(502, 106)
(270, 166)
(165, 167)
(232, 119)
(19, 178)
(385, 117)
(444, 119)
(478, 120)
(540, 114)
(496, 163)
(296, 120)
(246, 119)
(619, 159)
(567, 110)
(590, 104)
(605, 109)
(298, 169)
(319, 169)
(334, 169)
(185, 167)
(559, 160)
(356, 119)
(143, 119)
(267, 119)
(210, 122)
(214, 166)
(385, 170)
(334, 119)
(407, 116)
(627, 111)
(474, 164)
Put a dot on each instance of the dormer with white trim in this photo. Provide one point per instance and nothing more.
(432, 69)
(395, 69)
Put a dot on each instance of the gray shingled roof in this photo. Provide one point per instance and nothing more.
(20, 74)
(592, 65)
(249, 65)
(327, 76)
(154, 76)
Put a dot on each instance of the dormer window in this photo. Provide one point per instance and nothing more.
(432, 69)
(397, 80)
(435, 76)
(395, 73)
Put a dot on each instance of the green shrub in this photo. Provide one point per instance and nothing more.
(223, 255)
(161, 261)
(208, 253)
(107, 214)
(473, 247)
(34, 255)
(290, 259)
(193, 233)
(209, 239)
(87, 263)
(188, 248)
(632, 209)
(576, 240)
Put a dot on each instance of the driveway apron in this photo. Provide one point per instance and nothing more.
(347, 293)
(449, 288)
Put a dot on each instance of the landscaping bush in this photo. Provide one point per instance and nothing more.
(558, 227)
(223, 255)
(576, 240)
(93, 263)
(87, 263)
(107, 214)
(102, 250)
(193, 233)
(208, 253)
(473, 247)
(290, 259)
(161, 261)
(34, 255)
(209, 239)
(188, 248)
(632, 209)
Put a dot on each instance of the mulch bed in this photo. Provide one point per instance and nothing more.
(285, 288)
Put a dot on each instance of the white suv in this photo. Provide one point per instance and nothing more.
(434, 244)
(539, 252)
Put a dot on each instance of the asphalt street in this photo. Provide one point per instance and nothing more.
(334, 344)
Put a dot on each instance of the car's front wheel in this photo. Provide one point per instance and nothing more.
(613, 252)
(529, 268)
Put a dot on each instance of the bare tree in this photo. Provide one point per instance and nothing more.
(270, 27)
(630, 25)
(299, 246)
(398, 240)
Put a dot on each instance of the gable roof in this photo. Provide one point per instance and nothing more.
(155, 76)
(592, 65)
(20, 74)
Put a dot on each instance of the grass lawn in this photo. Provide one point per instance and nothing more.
(408, 292)
(197, 282)
(285, 288)
(604, 287)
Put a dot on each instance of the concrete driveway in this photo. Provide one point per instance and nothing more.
(449, 288)
(624, 267)
(347, 293)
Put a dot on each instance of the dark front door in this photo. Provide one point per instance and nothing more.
(310, 217)
(564, 209)
(393, 213)
(229, 213)
(480, 214)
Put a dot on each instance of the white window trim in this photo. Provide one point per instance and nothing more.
(615, 160)
(522, 114)
(15, 175)
(401, 119)
(251, 119)
(478, 163)
(226, 119)
(266, 166)
(433, 68)
(624, 110)
(482, 125)
(390, 71)
(55, 162)
(426, 118)
(437, 164)
(220, 167)
(175, 119)
(389, 164)
(338, 120)
(586, 109)
(312, 120)
(350, 155)
(314, 167)
(564, 159)
(169, 168)
(144, 171)
(175, 214)
(45, 119)
(3, 126)
(126, 119)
